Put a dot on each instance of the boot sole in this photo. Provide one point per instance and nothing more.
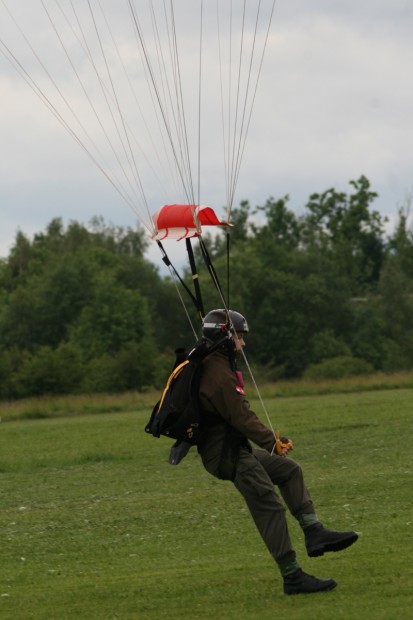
(329, 586)
(339, 545)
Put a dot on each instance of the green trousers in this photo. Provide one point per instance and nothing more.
(257, 473)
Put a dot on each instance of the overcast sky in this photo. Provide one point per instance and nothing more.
(334, 101)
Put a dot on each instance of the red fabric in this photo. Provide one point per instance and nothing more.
(178, 221)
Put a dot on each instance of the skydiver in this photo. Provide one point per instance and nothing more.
(226, 453)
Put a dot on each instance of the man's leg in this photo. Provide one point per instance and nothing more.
(268, 512)
(288, 476)
(266, 508)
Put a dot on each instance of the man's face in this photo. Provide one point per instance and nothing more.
(238, 338)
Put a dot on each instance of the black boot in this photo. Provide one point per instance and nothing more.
(319, 540)
(299, 582)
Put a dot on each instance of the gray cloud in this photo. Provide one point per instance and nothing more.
(334, 102)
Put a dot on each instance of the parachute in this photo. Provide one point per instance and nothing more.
(159, 96)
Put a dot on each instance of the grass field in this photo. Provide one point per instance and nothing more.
(95, 524)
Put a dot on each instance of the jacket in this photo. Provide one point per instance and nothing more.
(229, 420)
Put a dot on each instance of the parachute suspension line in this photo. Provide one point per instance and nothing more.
(197, 298)
(127, 148)
(257, 390)
(255, 88)
(124, 140)
(199, 105)
(20, 69)
(187, 183)
(155, 106)
(221, 81)
(225, 305)
(226, 101)
(149, 71)
(181, 130)
(195, 278)
(211, 269)
(178, 84)
(228, 136)
(165, 88)
(136, 100)
(235, 126)
(112, 179)
(226, 308)
(229, 115)
(232, 148)
(82, 86)
(175, 277)
(184, 306)
(228, 268)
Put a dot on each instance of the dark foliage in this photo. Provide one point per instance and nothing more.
(83, 310)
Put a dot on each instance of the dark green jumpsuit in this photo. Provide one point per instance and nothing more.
(227, 454)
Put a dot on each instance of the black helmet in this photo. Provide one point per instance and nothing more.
(216, 323)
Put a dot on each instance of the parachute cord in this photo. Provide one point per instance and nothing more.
(225, 305)
(228, 268)
(232, 174)
(264, 408)
(212, 272)
(242, 142)
(168, 263)
(221, 81)
(181, 127)
(82, 86)
(175, 281)
(139, 107)
(123, 138)
(180, 101)
(195, 278)
(199, 112)
(19, 68)
(235, 127)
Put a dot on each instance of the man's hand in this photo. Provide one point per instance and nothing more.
(283, 445)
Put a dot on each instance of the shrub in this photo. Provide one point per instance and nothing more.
(394, 358)
(338, 367)
(131, 368)
(50, 371)
(326, 345)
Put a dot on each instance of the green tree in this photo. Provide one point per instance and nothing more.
(344, 228)
(281, 228)
(113, 317)
(325, 285)
(89, 291)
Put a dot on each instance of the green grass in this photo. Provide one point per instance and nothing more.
(95, 524)
(75, 405)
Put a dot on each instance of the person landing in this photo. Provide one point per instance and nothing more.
(227, 453)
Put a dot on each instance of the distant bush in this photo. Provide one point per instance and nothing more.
(131, 368)
(325, 345)
(338, 367)
(50, 371)
(394, 358)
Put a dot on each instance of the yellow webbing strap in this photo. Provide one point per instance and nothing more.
(174, 374)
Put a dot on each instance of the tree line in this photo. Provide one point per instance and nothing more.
(82, 310)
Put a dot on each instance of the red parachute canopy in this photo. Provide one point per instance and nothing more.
(180, 221)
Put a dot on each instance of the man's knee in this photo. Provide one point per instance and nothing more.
(282, 470)
(251, 479)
